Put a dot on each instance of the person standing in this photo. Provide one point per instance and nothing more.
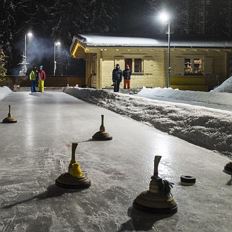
(32, 77)
(117, 77)
(127, 76)
(42, 77)
(37, 78)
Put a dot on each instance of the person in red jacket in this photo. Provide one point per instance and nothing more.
(127, 76)
(42, 77)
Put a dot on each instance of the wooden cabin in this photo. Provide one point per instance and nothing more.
(194, 65)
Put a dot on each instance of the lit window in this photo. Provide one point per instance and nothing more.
(192, 66)
(137, 65)
(128, 62)
(197, 66)
(187, 66)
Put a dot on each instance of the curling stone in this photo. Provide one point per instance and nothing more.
(9, 118)
(101, 135)
(158, 199)
(228, 170)
(75, 178)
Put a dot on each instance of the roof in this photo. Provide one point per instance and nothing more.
(116, 41)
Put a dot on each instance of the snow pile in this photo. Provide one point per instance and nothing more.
(209, 99)
(226, 86)
(202, 126)
(4, 91)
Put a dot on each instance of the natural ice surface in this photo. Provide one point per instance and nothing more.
(207, 127)
(36, 150)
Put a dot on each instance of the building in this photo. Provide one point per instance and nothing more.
(195, 65)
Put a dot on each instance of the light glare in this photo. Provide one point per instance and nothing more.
(29, 34)
(57, 43)
(164, 17)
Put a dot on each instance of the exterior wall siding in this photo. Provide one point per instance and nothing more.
(213, 60)
(101, 61)
(153, 66)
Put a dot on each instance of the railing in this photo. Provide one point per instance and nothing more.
(51, 81)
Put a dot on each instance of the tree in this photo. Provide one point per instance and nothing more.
(72, 17)
(2, 65)
(198, 19)
(7, 23)
(53, 19)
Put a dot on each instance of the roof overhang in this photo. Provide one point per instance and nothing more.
(82, 42)
(77, 49)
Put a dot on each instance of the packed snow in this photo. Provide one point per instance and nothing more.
(213, 99)
(206, 127)
(226, 86)
(4, 91)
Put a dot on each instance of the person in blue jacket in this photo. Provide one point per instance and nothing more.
(116, 77)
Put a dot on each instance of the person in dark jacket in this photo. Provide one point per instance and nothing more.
(127, 76)
(117, 77)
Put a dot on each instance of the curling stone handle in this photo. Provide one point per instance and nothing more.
(102, 128)
(102, 120)
(74, 146)
(156, 165)
(9, 111)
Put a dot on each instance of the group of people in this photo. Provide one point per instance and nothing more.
(37, 78)
(117, 75)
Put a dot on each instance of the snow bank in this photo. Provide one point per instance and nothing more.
(209, 128)
(210, 99)
(4, 91)
(226, 86)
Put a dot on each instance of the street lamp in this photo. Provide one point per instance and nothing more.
(165, 18)
(29, 35)
(56, 44)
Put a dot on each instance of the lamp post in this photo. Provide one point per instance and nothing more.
(56, 44)
(29, 35)
(165, 18)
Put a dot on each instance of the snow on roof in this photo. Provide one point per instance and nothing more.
(114, 41)
(93, 40)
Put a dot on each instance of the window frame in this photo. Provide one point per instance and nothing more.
(190, 59)
(132, 67)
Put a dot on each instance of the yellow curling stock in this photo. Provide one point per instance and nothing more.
(76, 170)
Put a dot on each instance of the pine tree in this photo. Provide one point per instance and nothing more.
(72, 17)
(2, 65)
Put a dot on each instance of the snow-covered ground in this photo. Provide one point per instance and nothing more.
(226, 86)
(213, 99)
(4, 91)
(200, 125)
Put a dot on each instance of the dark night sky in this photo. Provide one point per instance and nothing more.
(62, 19)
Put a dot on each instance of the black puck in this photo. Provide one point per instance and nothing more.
(187, 180)
(228, 168)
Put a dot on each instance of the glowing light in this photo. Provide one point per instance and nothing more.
(57, 43)
(29, 34)
(164, 17)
